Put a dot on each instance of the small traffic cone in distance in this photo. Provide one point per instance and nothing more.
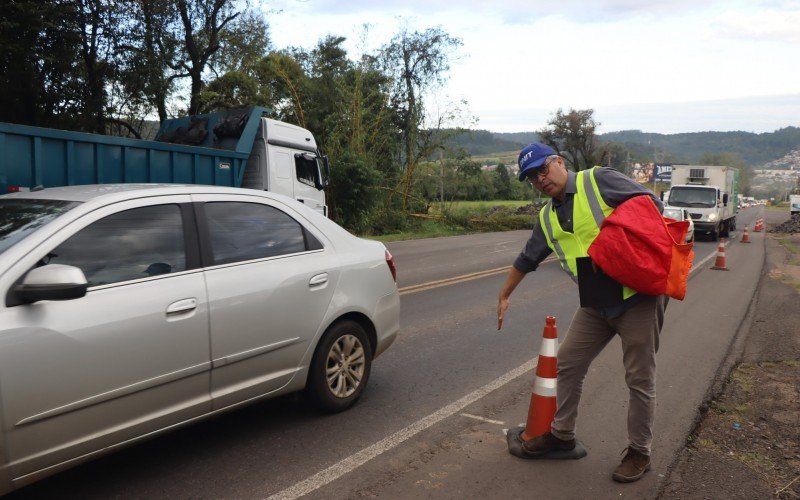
(745, 236)
(759, 225)
(719, 263)
(542, 408)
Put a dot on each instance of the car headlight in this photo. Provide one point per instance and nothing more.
(712, 217)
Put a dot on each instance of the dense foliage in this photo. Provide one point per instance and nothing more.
(113, 66)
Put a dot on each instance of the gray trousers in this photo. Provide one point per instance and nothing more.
(589, 333)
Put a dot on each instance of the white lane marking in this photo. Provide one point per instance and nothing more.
(358, 459)
(482, 419)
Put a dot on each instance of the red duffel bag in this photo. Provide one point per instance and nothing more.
(643, 250)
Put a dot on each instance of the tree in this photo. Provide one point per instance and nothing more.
(39, 84)
(572, 135)
(502, 182)
(204, 23)
(149, 56)
(417, 62)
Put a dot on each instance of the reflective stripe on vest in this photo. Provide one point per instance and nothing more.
(588, 213)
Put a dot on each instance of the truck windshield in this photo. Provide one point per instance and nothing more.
(21, 217)
(698, 197)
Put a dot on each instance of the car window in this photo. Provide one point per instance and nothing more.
(21, 217)
(246, 231)
(128, 245)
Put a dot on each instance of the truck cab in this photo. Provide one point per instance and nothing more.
(706, 206)
(709, 193)
(283, 158)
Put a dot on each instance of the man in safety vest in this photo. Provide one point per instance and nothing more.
(567, 225)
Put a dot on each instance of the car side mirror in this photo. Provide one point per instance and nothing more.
(52, 282)
(725, 199)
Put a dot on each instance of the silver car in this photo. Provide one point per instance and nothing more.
(680, 214)
(129, 310)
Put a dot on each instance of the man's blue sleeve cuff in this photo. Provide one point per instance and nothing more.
(523, 265)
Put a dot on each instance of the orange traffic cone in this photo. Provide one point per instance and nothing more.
(719, 264)
(543, 399)
(542, 408)
(745, 236)
(759, 225)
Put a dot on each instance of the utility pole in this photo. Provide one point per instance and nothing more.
(441, 178)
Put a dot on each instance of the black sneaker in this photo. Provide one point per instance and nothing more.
(545, 444)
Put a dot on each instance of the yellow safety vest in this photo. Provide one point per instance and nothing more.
(588, 212)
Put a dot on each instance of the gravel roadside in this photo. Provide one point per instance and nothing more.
(747, 442)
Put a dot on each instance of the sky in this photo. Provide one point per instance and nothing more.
(665, 66)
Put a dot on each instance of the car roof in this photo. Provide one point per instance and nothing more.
(120, 192)
(93, 195)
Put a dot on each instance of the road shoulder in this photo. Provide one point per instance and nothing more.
(747, 441)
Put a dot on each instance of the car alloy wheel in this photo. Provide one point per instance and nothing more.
(340, 368)
(345, 367)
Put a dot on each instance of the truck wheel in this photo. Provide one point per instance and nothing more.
(724, 231)
(715, 234)
(340, 367)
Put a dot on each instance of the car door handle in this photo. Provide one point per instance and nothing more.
(182, 306)
(319, 279)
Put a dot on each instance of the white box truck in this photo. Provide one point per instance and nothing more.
(709, 193)
(794, 204)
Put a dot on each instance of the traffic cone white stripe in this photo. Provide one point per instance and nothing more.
(545, 387)
(549, 348)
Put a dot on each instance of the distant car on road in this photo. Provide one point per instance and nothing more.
(129, 310)
(680, 214)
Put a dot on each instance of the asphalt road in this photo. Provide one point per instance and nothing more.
(415, 431)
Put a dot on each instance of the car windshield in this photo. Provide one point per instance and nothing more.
(673, 213)
(21, 217)
(693, 197)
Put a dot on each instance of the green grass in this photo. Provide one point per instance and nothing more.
(425, 229)
(742, 375)
(504, 157)
(793, 249)
(463, 217)
(778, 207)
(790, 245)
(476, 207)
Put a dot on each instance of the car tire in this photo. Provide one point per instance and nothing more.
(340, 368)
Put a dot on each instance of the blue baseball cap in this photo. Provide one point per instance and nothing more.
(531, 157)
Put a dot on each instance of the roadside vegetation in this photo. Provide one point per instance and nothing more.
(112, 66)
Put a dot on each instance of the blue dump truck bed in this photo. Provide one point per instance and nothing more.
(204, 149)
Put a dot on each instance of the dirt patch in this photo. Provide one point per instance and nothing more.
(747, 444)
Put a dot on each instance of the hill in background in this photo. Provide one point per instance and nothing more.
(755, 149)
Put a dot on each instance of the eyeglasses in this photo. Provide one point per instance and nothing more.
(537, 173)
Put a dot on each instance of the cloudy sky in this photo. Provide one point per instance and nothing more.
(659, 66)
